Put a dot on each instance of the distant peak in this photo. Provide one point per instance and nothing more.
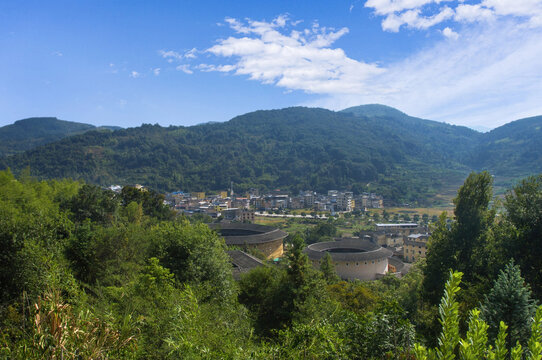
(37, 119)
(374, 110)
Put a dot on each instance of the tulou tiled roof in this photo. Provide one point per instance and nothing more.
(241, 234)
(362, 250)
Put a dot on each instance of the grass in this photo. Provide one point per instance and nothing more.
(265, 220)
(419, 211)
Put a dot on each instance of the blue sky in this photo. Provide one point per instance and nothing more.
(475, 63)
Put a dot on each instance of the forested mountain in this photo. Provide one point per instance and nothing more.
(295, 148)
(512, 149)
(32, 132)
(370, 147)
(449, 141)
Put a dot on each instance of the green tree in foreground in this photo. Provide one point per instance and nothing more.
(510, 301)
(522, 243)
(474, 346)
(328, 270)
(461, 246)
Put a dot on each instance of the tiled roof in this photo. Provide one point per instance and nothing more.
(249, 233)
(369, 250)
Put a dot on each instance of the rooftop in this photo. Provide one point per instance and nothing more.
(348, 249)
(241, 234)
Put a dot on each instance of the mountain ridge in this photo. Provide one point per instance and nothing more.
(32, 132)
(405, 158)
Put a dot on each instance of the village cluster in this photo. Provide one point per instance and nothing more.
(387, 248)
(234, 207)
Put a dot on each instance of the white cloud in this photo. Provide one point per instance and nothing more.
(191, 54)
(490, 74)
(184, 68)
(298, 60)
(413, 19)
(170, 55)
(422, 14)
(386, 7)
(156, 71)
(58, 53)
(450, 34)
(135, 74)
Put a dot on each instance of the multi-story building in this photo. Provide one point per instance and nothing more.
(415, 247)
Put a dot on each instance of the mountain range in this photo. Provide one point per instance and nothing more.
(363, 148)
(32, 132)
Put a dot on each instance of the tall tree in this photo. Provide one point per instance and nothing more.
(328, 270)
(460, 246)
(523, 241)
(510, 301)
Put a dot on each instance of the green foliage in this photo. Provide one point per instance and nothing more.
(535, 341)
(382, 333)
(278, 297)
(474, 345)
(510, 301)
(512, 149)
(462, 245)
(323, 231)
(94, 204)
(353, 296)
(152, 203)
(29, 133)
(195, 255)
(521, 240)
(85, 274)
(328, 270)
(294, 149)
(31, 229)
(315, 340)
(59, 331)
(449, 319)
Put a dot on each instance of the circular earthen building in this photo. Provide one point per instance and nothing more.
(353, 258)
(265, 239)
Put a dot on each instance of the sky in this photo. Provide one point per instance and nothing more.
(476, 63)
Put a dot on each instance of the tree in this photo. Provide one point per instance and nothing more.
(386, 215)
(328, 269)
(510, 301)
(195, 255)
(474, 346)
(425, 218)
(462, 245)
(151, 201)
(380, 334)
(521, 241)
(95, 204)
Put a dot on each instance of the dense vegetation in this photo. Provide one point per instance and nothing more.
(369, 147)
(511, 149)
(86, 273)
(30, 133)
(295, 148)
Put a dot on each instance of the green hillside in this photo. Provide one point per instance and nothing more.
(513, 150)
(449, 141)
(370, 147)
(32, 132)
(294, 148)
